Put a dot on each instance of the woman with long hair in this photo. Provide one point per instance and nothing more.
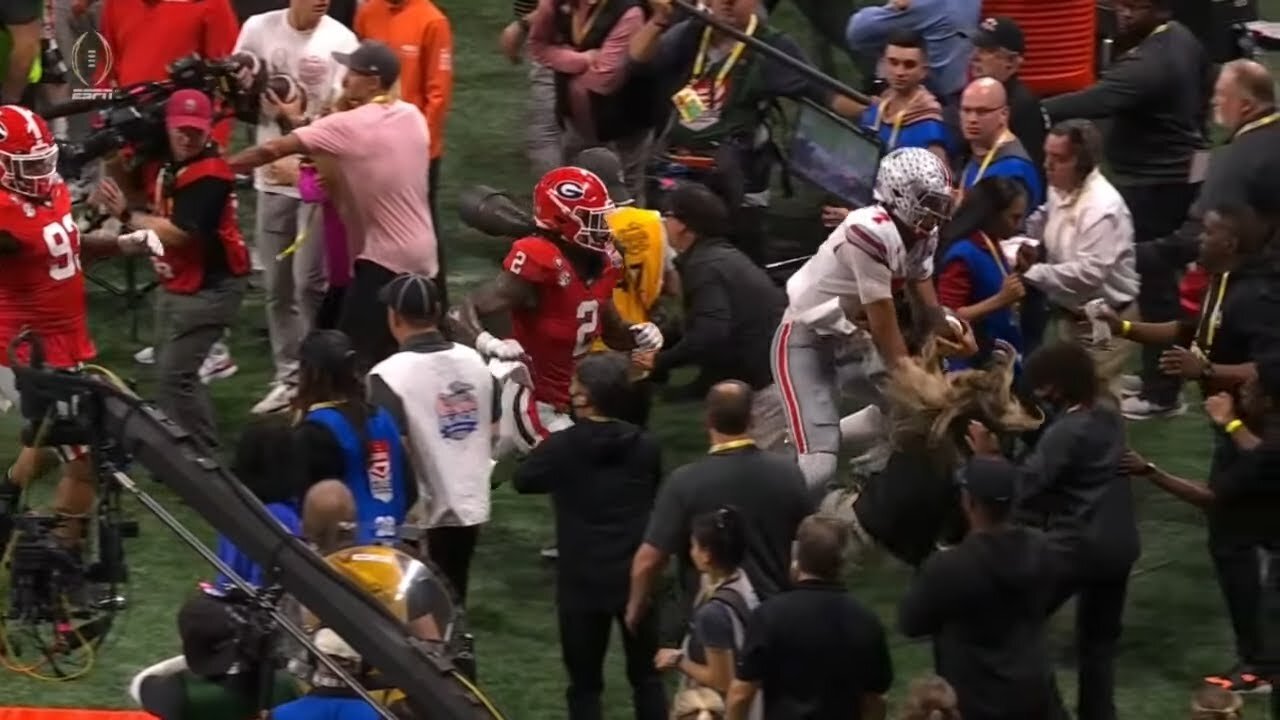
(975, 280)
(717, 627)
(340, 436)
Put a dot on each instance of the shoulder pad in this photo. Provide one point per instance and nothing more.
(534, 259)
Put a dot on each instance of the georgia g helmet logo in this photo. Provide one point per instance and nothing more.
(4, 132)
(570, 190)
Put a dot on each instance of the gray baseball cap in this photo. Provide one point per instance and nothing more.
(372, 58)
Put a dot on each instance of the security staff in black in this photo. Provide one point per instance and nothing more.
(1156, 95)
(1246, 165)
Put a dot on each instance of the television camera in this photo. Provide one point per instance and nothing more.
(133, 116)
(361, 597)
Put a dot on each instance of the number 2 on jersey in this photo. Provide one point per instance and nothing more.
(588, 323)
(57, 238)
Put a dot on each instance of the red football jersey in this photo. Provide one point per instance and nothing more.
(566, 320)
(41, 283)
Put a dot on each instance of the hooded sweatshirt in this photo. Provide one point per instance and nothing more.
(603, 477)
(985, 602)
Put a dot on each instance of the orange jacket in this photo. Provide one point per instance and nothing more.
(421, 36)
(144, 36)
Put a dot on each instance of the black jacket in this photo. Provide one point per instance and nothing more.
(731, 310)
(1027, 120)
(985, 602)
(1157, 95)
(1072, 487)
(602, 477)
(1246, 169)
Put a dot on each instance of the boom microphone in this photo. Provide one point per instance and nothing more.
(494, 213)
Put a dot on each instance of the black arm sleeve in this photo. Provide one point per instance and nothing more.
(1125, 86)
(20, 12)
(198, 207)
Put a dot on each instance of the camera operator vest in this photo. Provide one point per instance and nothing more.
(182, 269)
(374, 468)
(630, 109)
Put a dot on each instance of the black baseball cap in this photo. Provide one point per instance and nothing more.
(413, 297)
(999, 33)
(606, 165)
(989, 480)
(699, 208)
(209, 632)
(329, 351)
(372, 58)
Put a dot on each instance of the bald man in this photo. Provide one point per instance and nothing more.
(329, 516)
(994, 151)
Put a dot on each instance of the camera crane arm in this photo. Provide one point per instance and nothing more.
(432, 685)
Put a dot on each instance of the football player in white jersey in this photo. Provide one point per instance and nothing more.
(841, 332)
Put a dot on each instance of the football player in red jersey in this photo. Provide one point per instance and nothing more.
(41, 289)
(557, 286)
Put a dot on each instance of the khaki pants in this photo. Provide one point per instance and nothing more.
(1112, 358)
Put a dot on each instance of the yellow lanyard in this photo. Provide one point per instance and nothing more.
(990, 246)
(1207, 326)
(731, 445)
(580, 30)
(1260, 122)
(1005, 137)
(734, 54)
(897, 119)
(382, 99)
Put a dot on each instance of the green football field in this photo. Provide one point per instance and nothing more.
(1175, 629)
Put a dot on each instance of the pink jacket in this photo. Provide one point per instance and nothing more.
(337, 254)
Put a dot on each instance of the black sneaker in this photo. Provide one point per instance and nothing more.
(1240, 680)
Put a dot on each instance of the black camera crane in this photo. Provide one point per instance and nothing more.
(128, 427)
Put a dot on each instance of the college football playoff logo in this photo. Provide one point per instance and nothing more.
(91, 62)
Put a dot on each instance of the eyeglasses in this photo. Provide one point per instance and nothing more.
(980, 111)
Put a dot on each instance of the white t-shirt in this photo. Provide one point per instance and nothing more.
(305, 56)
(859, 260)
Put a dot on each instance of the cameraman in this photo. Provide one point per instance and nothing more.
(192, 212)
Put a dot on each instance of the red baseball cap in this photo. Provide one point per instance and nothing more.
(189, 109)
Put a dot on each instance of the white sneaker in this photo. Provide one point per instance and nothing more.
(1139, 408)
(1129, 385)
(218, 365)
(277, 399)
(145, 356)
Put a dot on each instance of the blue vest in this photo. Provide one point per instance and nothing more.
(374, 471)
(1011, 161)
(985, 280)
(242, 564)
(919, 134)
(319, 707)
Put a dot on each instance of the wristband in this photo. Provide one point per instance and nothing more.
(1233, 426)
(1125, 327)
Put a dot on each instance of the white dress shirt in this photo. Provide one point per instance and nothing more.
(1088, 242)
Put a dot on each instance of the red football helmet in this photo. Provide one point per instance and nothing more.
(576, 204)
(28, 152)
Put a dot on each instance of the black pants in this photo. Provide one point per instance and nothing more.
(364, 317)
(1099, 622)
(1157, 211)
(433, 189)
(330, 309)
(584, 640)
(451, 548)
(1240, 567)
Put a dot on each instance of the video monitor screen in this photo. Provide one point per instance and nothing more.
(828, 152)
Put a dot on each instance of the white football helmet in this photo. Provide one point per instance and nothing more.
(915, 187)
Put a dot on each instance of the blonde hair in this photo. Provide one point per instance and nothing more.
(930, 698)
(699, 703)
(1214, 703)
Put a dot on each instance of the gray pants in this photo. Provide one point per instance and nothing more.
(187, 326)
(295, 283)
(545, 152)
(814, 374)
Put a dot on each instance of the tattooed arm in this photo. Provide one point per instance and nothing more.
(468, 320)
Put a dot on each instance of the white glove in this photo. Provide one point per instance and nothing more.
(647, 336)
(492, 347)
(141, 241)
